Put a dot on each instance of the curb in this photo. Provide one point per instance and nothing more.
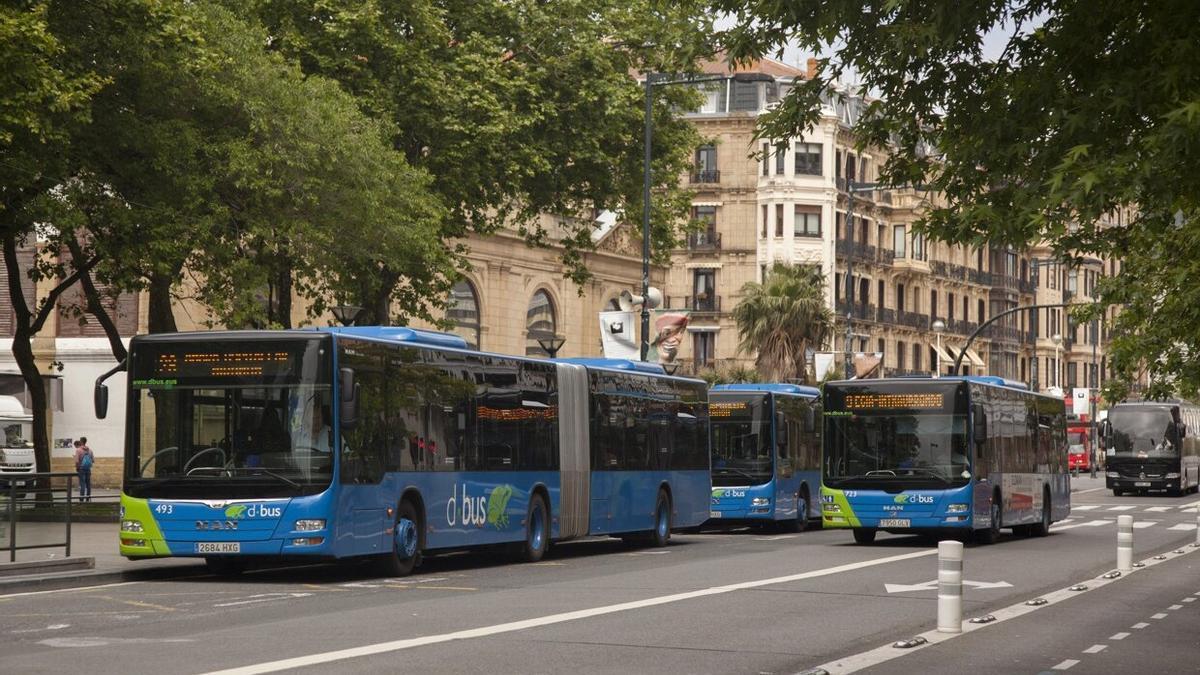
(67, 580)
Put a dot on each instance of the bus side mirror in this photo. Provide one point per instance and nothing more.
(810, 418)
(348, 396)
(1182, 430)
(1105, 431)
(979, 424)
(100, 396)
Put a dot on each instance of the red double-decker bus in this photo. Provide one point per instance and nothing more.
(1079, 444)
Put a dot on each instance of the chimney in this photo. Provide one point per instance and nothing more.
(812, 69)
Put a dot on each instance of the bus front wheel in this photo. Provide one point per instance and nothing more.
(863, 535)
(661, 534)
(992, 533)
(406, 543)
(800, 523)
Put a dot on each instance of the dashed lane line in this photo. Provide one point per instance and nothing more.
(1095, 649)
(1160, 615)
(1119, 636)
(1121, 508)
(1175, 607)
(1065, 665)
(1139, 625)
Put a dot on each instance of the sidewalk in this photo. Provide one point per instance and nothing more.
(94, 557)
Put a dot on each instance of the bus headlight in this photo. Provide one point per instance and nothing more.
(759, 501)
(831, 507)
(310, 525)
(1172, 475)
(958, 508)
(131, 526)
(1112, 474)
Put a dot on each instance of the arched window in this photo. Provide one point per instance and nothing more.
(539, 323)
(464, 312)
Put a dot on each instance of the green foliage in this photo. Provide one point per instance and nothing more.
(782, 318)
(1092, 107)
(514, 108)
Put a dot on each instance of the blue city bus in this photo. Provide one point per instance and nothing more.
(946, 456)
(766, 454)
(393, 443)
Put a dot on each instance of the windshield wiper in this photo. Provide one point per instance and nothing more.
(730, 469)
(927, 472)
(258, 470)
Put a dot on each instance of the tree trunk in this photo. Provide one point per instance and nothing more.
(96, 308)
(162, 318)
(283, 306)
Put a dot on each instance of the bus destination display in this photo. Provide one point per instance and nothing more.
(888, 401)
(188, 365)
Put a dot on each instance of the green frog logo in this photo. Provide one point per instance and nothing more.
(497, 507)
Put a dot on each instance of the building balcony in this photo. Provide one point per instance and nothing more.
(1026, 286)
(706, 176)
(979, 277)
(856, 250)
(703, 304)
(861, 311)
(898, 372)
(912, 319)
(704, 241)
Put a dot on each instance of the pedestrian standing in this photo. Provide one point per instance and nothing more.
(83, 466)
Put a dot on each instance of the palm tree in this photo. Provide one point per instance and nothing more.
(781, 318)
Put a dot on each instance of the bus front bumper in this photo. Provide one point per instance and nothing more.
(1170, 482)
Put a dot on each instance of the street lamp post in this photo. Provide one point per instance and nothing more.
(1094, 380)
(1058, 343)
(347, 315)
(659, 79)
(551, 345)
(939, 327)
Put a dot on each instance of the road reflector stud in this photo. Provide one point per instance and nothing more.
(1078, 587)
(1111, 575)
(1139, 564)
(1036, 602)
(1160, 557)
(909, 644)
(1181, 551)
(987, 618)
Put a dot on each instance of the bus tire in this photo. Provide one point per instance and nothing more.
(992, 533)
(800, 522)
(537, 531)
(1043, 528)
(864, 535)
(406, 543)
(1118, 492)
(225, 566)
(661, 534)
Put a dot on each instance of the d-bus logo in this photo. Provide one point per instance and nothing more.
(472, 511)
(239, 511)
(913, 499)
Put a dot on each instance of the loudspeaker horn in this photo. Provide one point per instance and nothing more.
(628, 300)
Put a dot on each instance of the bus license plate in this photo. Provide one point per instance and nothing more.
(894, 522)
(714, 514)
(218, 547)
(1146, 484)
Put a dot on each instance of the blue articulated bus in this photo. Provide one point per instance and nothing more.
(339, 443)
(945, 456)
(766, 454)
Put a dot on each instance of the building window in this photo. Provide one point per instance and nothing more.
(981, 309)
(807, 221)
(879, 292)
(706, 215)
(899, 355)
(899, 297)
(540, 322)
(745, 96)
(950, 307)
(898, 239)
(704, 288)
(764, 221)
(808, 159)
(918, 246)
(850, 167)
(780, 159)
(917, 349)
(933, 305)
(714, 96)
(706, 165)
(1072, 373)
(704, 349)
(464, 312)
(779, 220)
(766, 159)
(882, 352)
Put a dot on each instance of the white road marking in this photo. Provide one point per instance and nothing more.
(1095, 649)
(1158, 509)
(1085, 507)
(1190, 505)
(398, 645)
(1160, 615)
(1065, 664)
(1118, 636)
(68, 590)
(1189, 599)
(53, 626)
(1089, 523)
(1139, 625)
(1121, 508)
(1175, 607)
(1142, 524)
(932, 585)
(782, 536)
(262, 597)
(72, 642)
(1183, 527)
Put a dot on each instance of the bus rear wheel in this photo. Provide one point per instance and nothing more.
(537, 531)
(661, 534)
(406, 543)
(1043, 528)
(864, 535)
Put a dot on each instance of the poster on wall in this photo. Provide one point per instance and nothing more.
(618, 335)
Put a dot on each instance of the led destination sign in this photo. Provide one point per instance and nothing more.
(888, 401)
(176, 364)
(222, 364)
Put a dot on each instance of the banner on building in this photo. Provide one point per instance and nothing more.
(667, 328)
(822, 363)
(618, 335)
(1079, 402)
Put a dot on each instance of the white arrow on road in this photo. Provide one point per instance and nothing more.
(932, 585)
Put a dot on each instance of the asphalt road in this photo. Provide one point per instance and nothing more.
(734, 602)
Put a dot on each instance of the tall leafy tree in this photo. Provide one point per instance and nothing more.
(1089, 109)
(781, 318)
(514, 108)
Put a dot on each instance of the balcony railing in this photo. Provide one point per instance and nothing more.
(857, 250)
(704, 241)
(706, 176)
(703, 303)
(897, 372)
(861, 311)
(913, 320)
(886, 256)
(1027, 286)
(979, 277)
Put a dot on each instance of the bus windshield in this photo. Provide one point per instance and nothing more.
(741, 440)
(927, 448)
(1143, 432)
(229, 420)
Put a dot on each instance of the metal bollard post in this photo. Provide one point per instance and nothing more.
(950, 577)
(1125, 543)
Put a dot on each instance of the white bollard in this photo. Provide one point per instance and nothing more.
(1125, 543)
(950, 577)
